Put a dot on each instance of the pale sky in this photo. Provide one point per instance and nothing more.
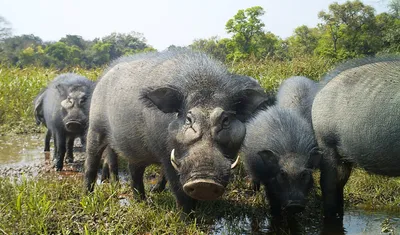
(162, 22)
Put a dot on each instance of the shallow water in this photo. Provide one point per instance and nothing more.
(21, 150)
(354, 222)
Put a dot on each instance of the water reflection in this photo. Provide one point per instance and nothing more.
(20, 149)
(354, 222)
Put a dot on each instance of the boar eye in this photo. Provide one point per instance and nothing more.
(304, 175)
(282, 173)
(188, 121)
(226, 122)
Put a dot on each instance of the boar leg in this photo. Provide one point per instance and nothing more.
(94, 151)
(61, 149)
(47, 141)
(110, 166)
(70, 148)
(334, 175)
(182, 199)
(343, 173)
(137, 185)
(55, 148)
(161, 182)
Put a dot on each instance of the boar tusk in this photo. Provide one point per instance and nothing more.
(235, 163)
(173, 161)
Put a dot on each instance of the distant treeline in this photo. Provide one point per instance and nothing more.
(348, 30)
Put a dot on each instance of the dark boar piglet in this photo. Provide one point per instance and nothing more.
(280, 152)
(296, 93)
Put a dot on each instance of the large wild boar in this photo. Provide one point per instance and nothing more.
(280, 151)
(356, 118)
(63, 107)
(178, 108)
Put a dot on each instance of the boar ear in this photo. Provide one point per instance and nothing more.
(38, 103)
(62, 89)
(268, 157)
(248, 101)
(166, 99)
(315, 158)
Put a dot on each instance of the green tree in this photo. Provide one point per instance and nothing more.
(303, 41)
(11, 47)
(74, 40)
(26, 56)
(266, 45)
(245, 26)
(100, 53)
(5, 28)
(394, 8)
(124, 44)
(213, 46)
(388, 30)
(58, 51)
(32, 56)
(350, 29)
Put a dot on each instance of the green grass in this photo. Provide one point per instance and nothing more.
(373, 192)
(370, 192)
(55, 204)
(271, 73)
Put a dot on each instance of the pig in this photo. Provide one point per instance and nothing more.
(356, 119)
(177, 108)
(63, 108)
(298, 93)
(280, 151)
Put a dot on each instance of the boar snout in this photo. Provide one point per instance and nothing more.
(74, 126)
(203, 189)
(294, 207)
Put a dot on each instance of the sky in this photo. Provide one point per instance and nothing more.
(162, 22)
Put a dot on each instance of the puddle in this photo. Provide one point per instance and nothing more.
(362, 222)
(21, 149)
(23, 155)
(354, 222)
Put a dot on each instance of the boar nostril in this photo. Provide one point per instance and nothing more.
(217, 191)
(190, 189)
